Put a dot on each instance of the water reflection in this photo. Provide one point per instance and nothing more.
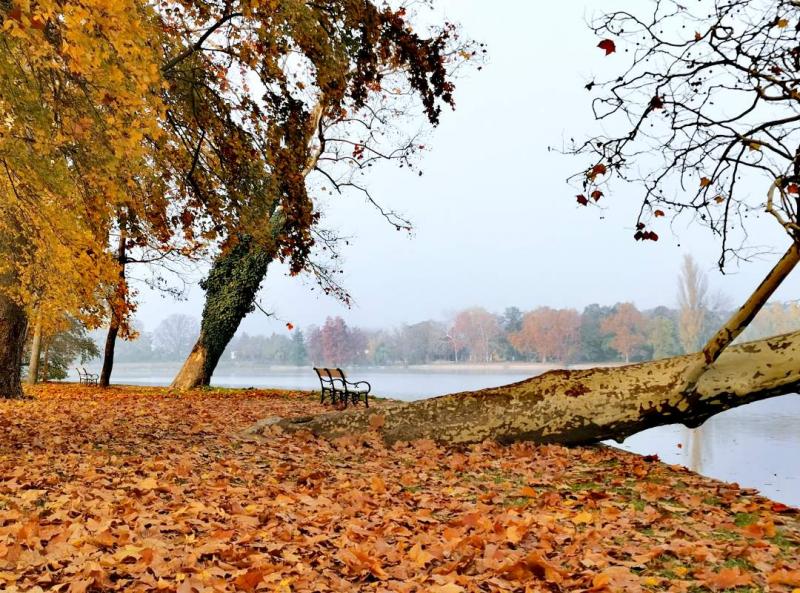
(757, 446)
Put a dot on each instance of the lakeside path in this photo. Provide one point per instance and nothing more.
(140, 489)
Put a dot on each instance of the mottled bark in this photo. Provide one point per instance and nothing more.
(581, 406)
(36, 350)
(745, 314)
(13, 325)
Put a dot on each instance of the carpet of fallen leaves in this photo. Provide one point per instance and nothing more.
(140, 489)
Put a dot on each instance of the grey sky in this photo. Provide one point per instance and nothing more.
(496, 223)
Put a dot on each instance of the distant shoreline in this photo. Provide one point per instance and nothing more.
(533, 368)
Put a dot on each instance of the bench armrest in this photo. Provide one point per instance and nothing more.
(357, 383)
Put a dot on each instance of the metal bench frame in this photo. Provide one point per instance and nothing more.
(334, 384)
(86, 378)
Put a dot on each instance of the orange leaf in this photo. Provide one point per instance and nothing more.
(376, 421)
(705, 182)
(658, 213)
(250, 580)
(785, 577)
(377, 484)
(727, 578)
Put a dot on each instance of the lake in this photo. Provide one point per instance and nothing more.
(757, 445)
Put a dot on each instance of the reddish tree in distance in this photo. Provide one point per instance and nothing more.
(552, 334)
(627, 327)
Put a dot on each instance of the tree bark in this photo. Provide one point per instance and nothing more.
(231, 289)
(46, 362)
(36, 350)
(108, 352)
(13, 325)
(114, 324)
(581, 406)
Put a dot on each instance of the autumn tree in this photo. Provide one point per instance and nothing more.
(78, 101)
(421, 342)
(692, 304)
(59, 349)
(627, 326)
(550, 334)
(344, 80)
(477, 330)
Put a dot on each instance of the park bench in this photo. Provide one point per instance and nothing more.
(86, 378)
(338, 389)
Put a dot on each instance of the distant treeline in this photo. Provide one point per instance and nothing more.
(597, 334)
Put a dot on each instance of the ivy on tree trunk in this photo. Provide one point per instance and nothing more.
(231, 289)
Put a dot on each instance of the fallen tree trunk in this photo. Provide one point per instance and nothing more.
(581, 406)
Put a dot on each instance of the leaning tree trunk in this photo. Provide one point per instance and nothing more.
(234, 281)
(231, 289)
(13, 325)
(573, 407)
(581, 406)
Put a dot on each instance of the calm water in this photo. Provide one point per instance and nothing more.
(757, 445)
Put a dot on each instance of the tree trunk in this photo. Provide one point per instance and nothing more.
(13, 325)
(231, 289)
(120, 293)
(108, 352)
(36, 350)
(46, 362)
(581, 406)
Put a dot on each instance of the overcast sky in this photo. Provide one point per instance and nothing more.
(496, 224)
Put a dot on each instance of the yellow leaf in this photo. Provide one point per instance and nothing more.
(783, 23)
(147, 484)
(681, 571)
(514, 534)
(650, 581)
(582, 518)
(378, 485)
